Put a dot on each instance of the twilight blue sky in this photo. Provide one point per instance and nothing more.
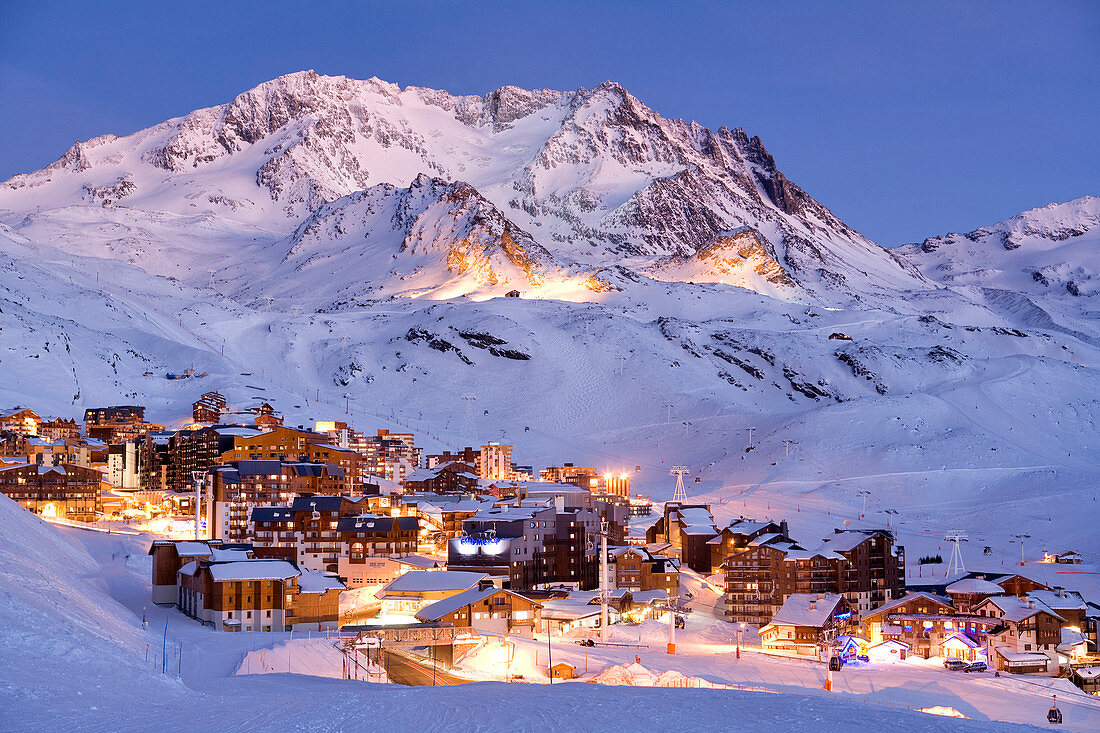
(907, 119)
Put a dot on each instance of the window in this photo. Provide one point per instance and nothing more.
(268, 614)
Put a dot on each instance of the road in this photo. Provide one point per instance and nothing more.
(405, 671)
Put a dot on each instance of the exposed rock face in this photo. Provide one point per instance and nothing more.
(739, 258)
(592, 175)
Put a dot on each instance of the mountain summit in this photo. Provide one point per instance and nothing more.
(592, 179)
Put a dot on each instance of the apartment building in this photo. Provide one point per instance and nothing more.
(296, 445)
(531, 543)
(638, 569)
(495, 462)
(66, 490)
(117, 424)
(234, 489)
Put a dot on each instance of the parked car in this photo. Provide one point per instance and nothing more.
(955, 664)
(976, 667)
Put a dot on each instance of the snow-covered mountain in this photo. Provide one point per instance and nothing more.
(1041, 266)
(332, 245)
(593, 176)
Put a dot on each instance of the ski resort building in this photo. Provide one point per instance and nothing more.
(1025, 636)
(688, 528)
(806, 623)
(763, 566)
(168, 556)
(301, 446)
(637, 569)
(411, 592)
(246, 595)
(306, 529)
(208, 408)
(24, 421)
(66, 490)
(930, 625)
(117, 424)
(530, 543)
(486, 610)
(467, 455)
(495, 462)
(586, 477)
(59, 429)
(236, 488)
(443, 479)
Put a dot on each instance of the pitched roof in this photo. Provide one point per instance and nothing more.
(439, 609)
(253, 570)
(376, 523)
(975, 585)
(314, 581)
(891, 605)
(191, 548)
(1071, 601)
(270, 514)
(964, 640)
(424, 581)
(807, 609)
(1017, 609)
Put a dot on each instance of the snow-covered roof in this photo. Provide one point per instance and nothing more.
(1070, 601)
(647, 597)
(1088, 673)
(963, 640)
(421, 561)
(807, 609)
(844, 541)
(569, 609)
(811, 555)
(509, 513)
(189, 568)
(192, 549)
(426, 581)
(253, 570)
(439, 609)
(271, 514)
(975, 585)
(747, 526)
(1017, 609)
(1014, 657)
(314, 581)
(890, 605)
(228, 555)
(1071, 639)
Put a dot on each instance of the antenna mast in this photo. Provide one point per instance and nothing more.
(679, 472)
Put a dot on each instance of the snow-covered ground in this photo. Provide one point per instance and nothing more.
(706, 655)
(71, 609)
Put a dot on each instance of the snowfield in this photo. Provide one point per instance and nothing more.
(74, 651)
